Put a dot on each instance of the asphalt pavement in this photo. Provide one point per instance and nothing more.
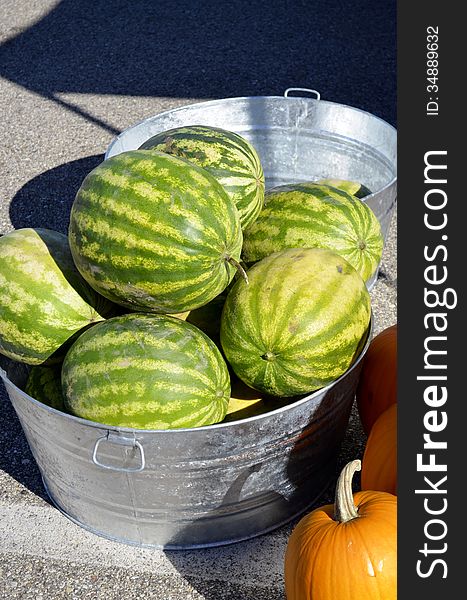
(72, 75)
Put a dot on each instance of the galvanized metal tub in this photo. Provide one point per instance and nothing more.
(298, 139)
(187, 488)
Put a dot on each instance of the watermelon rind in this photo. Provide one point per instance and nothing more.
(310, 215)
(299, 323)
(146, 371)
(227, 156)
(44, 301)
(154, 233)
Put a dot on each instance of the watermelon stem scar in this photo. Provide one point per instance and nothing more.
(238, 266)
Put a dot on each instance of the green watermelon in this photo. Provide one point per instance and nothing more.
(44, 301)
(310, 215)
(153, 232)
(146, 372)
(44, 384)
(354, 188)
(299, 324)
(227, 156)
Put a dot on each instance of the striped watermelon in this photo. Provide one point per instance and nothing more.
(44, 384)
(226, 155)
(153, 232)
(310, 215)
(43, 299)
(354, 188)
(146, 372)
(299, 324)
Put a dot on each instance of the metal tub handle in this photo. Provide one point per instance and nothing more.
(122, 441)
(300, 89)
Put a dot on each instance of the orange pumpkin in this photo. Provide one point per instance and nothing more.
(377, 388)
(379, 465)
(345, 551)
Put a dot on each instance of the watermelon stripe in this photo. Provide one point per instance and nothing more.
(328, 302)
(311, 215)
(132, 219)
(27, 285)
(146, 371)
(167, 338)
(239, 178)
(16, 321)
(149, 255)
(298, 324)
(181, 289)
(43, 299)
(287, 334)
(169, 184)
(140, 366)
(226, 143)
(246, 328)
(17, 342)
(152, 232)
(262, 301)
(338, 349)
(101, 398)
(108, 185)
(226, 156)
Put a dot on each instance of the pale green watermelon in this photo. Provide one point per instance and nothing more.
(299, 324)
(44, 301)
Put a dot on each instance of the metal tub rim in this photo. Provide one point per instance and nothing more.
(314, 396)
(217, 101)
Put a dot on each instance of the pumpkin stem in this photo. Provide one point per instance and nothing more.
(238, 266)
(344, 506)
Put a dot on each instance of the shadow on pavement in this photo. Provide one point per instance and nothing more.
(209, 49)
(45, 201)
